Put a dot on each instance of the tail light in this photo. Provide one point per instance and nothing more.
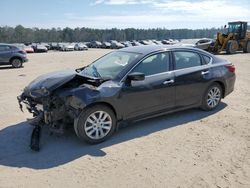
(230, 67)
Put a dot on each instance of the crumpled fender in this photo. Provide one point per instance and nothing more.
(85, 95)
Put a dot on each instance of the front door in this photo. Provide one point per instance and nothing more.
(155, 93)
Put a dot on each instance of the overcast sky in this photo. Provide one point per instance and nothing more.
(169, 14)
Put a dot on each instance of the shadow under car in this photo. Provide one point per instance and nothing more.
(58, 150)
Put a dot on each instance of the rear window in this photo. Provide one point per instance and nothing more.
(186, 60)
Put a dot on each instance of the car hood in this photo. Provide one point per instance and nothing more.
(45, 84)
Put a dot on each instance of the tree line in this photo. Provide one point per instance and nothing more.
(20, 34)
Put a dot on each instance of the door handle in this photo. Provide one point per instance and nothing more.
(204, 72)
(168, 82)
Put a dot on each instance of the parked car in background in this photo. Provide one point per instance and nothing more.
(12, 55)
(47, 45)
(116, 45)
(157, 42)
(28, 49)
(95, 44)
(127, 43)
(145, 42)
(39, 48)
(60, 46)
(128, 85)
(106, 45)
(165, 42)
(80, 46)
(67, 47)
(151, 42)
(135, 43)
(169, 41)
(203, 43)
(54, 46)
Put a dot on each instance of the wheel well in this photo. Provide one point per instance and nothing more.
(105, 104)
(222, 87)
(16, 57)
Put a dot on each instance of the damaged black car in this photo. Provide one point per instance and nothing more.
(126, 85)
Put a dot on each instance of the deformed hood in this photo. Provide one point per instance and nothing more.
(49, 82)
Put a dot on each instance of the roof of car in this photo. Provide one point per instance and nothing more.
(147, 49)
(7, 44)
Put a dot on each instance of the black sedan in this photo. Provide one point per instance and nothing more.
(126, 85)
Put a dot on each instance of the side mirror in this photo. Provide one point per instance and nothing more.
(136, 76)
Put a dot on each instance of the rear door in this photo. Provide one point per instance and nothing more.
(191, 76)
(155, 93)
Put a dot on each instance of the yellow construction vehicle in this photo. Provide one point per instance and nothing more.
(237, 38)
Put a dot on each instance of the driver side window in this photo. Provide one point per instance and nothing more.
(154, 64)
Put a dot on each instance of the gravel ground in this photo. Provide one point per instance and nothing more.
(186, 149)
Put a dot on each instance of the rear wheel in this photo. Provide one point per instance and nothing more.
(95, 124)
(212, 97)
(16, 63)
(232, 47)
(246, 48)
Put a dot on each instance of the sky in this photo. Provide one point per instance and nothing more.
(102, 14)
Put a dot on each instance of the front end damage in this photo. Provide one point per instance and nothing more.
(50, 111)
(55, 106)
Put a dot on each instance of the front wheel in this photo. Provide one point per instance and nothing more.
(212, 97)
(95, 124)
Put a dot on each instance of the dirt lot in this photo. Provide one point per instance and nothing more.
(186, 149)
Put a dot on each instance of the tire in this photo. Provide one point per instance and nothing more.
(212, 97)
(246, 48)
(16, 62)
(232, 47)
(91, 132)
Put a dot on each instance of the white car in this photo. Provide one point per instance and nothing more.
(80, 46)
(203, 43)
(68, 47)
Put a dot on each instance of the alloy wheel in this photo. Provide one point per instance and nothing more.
(98, 125)
(213, 97)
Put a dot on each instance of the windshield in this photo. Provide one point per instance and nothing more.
(110, 65)
(234, 28)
